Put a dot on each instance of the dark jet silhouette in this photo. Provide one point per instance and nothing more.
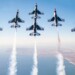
(35, 27)
(16, 20)
(36, 12)
(55, 18)
(73, 30)
(1, 29)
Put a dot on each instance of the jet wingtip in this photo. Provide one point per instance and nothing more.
(23, 21)
(63, 20)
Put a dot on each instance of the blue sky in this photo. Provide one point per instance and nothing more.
(65, 9)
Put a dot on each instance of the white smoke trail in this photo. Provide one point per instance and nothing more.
(35, 65)
(60, 63)
(13, 62)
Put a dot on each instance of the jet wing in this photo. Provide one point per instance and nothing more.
(19, 20)
(39, 28)
(39, 12)
(32, 12)
(31, 28)
(52, 19)
(59, 19)
(13, 20)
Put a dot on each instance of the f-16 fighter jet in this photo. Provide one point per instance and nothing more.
(55, 18)
(35, 27)
(36, 12)
(1, 29)
(16, 20)
(73, 30)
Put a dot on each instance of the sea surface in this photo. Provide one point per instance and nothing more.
(47, 65)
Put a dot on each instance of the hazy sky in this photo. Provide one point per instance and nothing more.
(65, 10)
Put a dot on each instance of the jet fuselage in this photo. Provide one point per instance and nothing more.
(55, 19)
(36, 13)
(34, 26)
(16, 19)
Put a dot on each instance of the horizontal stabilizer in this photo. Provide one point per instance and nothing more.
(16, 26)
(38, 12)
(57, 25)
(36, 17)
(34, 34)
(53, 25)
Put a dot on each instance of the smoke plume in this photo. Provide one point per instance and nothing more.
(35, 62)
(60, 63)
(13, 61)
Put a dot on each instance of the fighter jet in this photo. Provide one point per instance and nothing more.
(16, 20)
(36, 12)
(35, 27)
(1, 29)
(73, 30)
(55, 18)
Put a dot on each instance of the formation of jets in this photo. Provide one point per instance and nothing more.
(35, 27)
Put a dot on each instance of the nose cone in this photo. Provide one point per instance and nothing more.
(17, 11)
(36, 5)
(55, 10)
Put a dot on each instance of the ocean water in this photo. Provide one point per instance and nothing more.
(47, 65)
